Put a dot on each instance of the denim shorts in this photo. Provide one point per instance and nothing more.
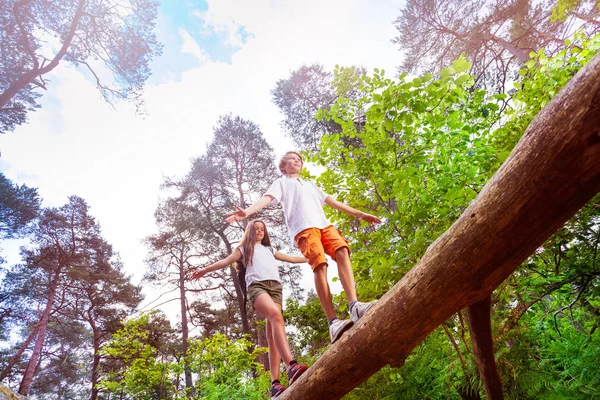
(272, 288)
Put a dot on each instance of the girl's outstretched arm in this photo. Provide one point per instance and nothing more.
(241, 214)
(230, 259)
(330, 201)
(291, 259)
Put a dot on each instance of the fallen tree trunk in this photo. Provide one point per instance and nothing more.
(552, 172)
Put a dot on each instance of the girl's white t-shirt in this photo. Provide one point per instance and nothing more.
(302, 203)
(263, 267)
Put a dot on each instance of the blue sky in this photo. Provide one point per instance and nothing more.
(175, 15)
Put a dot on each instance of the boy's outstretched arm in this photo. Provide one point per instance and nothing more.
(230, 259)
(291, 259)
(242, 214)
(330, 201)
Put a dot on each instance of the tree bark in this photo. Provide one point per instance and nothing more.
(184, 327)
(17, 356)
(96, 359)
(39, 340)
(480, 327)
(552, 172)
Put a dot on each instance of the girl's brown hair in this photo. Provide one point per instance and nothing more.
(249, 240)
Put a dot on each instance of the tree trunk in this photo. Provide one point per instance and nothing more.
(552, 172)
(238, 290)
(96, 360)
(261, 334)
(478, 316)
(184, 328)
(511, 48)
(39, 340)
(17, 356)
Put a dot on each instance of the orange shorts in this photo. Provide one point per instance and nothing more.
(314, 243)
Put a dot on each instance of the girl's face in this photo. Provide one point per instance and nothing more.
(293, 164)
(259, 231)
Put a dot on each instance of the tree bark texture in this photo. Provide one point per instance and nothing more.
(6, 371)
(552, 172)
(27, 379)
(480, 327)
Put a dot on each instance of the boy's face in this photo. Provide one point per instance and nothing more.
(293, 164)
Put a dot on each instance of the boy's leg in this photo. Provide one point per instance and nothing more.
(309, 244)
(337, 247)
(323, 291)
(342, 258)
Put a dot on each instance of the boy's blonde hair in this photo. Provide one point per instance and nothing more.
(283, 160)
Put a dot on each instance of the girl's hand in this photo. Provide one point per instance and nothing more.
(199, 273)
(238, 215)
(370, 218)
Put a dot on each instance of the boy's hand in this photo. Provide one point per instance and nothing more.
(238, 215)
(370, 218)
(199, 273)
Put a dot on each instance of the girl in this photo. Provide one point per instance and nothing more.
(264, 291)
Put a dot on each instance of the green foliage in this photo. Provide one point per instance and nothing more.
(228, 369)
(19, 205)
(543, 77)
(143, 370)
(312, 328)
(423, 151)
(563, 8)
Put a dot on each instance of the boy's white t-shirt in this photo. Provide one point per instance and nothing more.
(302, 203)
(263, 267)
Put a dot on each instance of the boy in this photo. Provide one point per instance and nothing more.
(314, 235)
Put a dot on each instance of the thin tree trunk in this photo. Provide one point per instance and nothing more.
(511, 48)
(39, 340)
(184, 327)
(262, 342)
(238, 291)
(479, 319)
(552, 172)
(17, 356)
(96, 360)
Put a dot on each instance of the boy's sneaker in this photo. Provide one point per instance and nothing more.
(277, 389)
(338, 327)
(360, 309)
(294, 371)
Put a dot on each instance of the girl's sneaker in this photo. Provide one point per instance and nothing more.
(294, 371)
(277, 389)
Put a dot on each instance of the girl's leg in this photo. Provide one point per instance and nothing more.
(274, 357)
(272, 311)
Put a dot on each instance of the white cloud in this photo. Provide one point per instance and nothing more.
(190, 46)
(78, 144)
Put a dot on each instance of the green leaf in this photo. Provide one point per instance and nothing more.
(461, 65)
